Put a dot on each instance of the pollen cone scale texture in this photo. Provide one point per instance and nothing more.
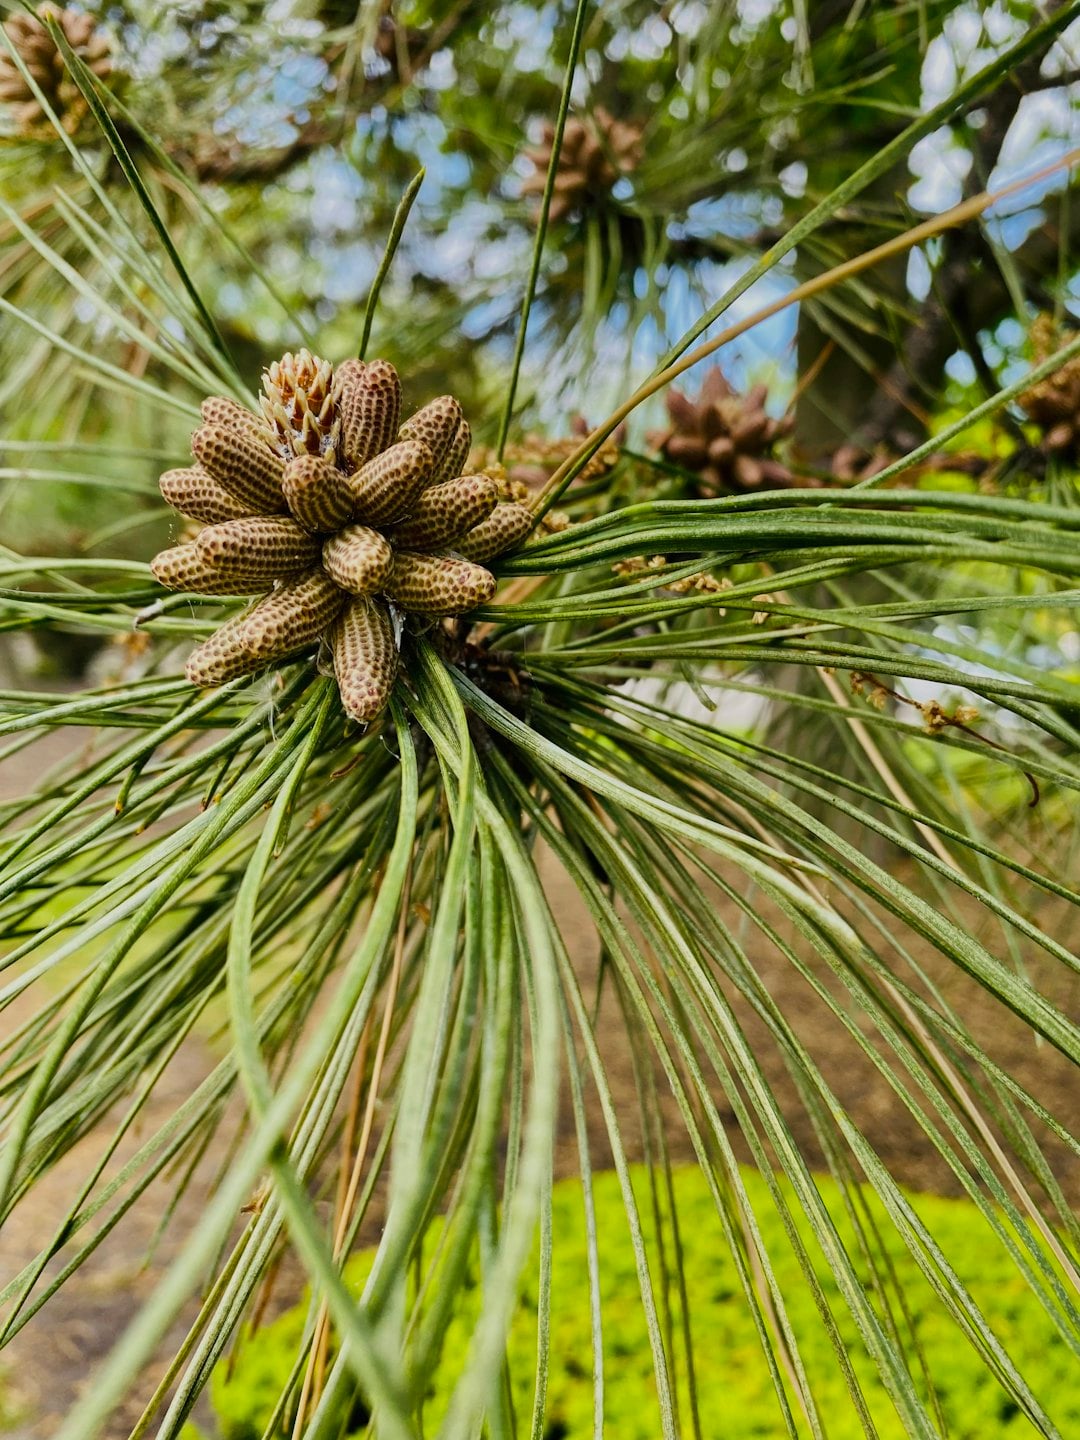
(339, 517)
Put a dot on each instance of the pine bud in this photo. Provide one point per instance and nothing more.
(747, 472)
(369, 404)
(438, 584)
(297, 402)
(358, 559)
(316, 493)
(445, 512)
(199, 496)
(365, 658)
(245, 466)
(505, 527)
(347, 374)
(436, 424)
(259, 545)
(689, 452)
(386, 487)
(290, 618)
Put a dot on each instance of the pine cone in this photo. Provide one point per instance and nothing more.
(595, 153)
(1054, 403)
(45, 63)
(342, 521)
(727, 439)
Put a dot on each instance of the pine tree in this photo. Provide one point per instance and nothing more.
(506, 797)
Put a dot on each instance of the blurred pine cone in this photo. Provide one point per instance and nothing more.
(45, 63)
(726, 438)
(595, 153)
(1054, 403)
(530, 463)
(338, 517)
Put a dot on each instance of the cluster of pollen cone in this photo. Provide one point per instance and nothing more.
(341, 520)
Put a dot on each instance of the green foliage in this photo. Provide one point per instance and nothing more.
(733, 1394)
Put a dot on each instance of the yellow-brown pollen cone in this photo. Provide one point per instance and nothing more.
(340, 518)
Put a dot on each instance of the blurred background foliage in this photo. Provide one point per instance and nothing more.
(302, 124)
(276, 141)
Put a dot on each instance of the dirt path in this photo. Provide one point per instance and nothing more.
(48, 1365)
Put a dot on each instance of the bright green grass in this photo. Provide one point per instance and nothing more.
(735, 1396)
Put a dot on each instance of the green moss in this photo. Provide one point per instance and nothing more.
(735, 1397)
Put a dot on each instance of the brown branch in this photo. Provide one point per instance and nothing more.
(1054, 82)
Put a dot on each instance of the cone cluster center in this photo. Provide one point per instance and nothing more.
(342, 519)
